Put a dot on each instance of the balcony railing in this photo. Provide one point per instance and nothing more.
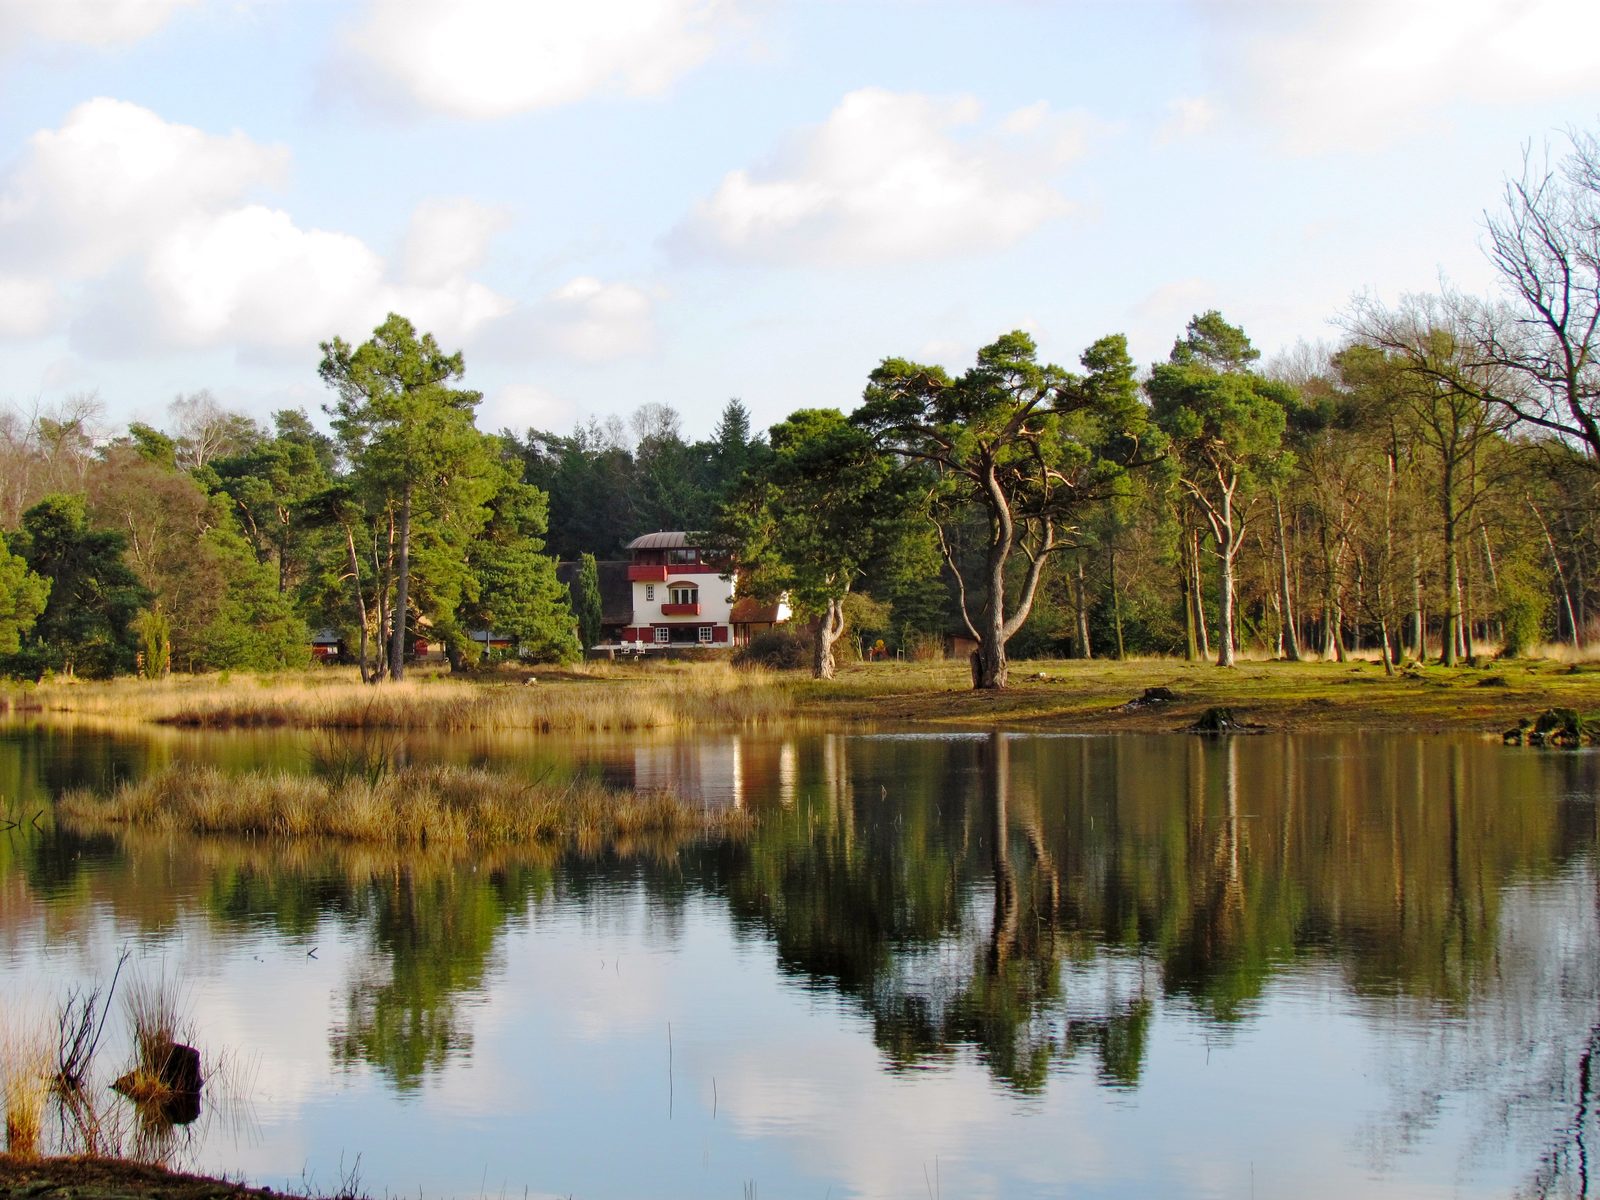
(647, 572)
(680, 610)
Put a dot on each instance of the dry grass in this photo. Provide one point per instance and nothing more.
(25, 1062)
(409, 806)
(593, 698)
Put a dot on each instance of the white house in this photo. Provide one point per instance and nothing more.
(683, 596)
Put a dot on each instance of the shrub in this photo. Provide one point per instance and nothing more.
(777, 649)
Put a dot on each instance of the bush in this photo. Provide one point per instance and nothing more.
(776, 649)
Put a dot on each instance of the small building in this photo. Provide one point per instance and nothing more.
(684, 595)
(327, 645)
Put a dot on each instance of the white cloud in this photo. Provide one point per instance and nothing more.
(1346, 73)
(594, 321)
(112, 177)
(524, 406)
(892, 176)
(1187, 117)
(90, 22)
(1159, 318)
(153, 224)
(493, 58)
(448, 238)
(27, 306)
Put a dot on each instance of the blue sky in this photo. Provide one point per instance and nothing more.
(683, 201)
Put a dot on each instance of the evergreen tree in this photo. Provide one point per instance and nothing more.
(86, 626)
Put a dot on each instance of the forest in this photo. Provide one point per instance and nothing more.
(1423, 489)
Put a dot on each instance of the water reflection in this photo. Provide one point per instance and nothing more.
(1052, 909)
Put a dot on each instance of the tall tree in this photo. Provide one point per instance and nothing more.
(513, 589)
(807, 522)
(589, 605)
(22, 599)
(1436, 377)
(1225, 423)
(87, 623)
(407, 434)
(1025, 445)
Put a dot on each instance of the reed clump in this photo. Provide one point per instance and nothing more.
(594, 698)
(25, 1061)
(407, 806)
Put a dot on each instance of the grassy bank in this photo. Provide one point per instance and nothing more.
(605, 697)
(1101, 696)
(408, 806)
(116, 1179)
(597, 697)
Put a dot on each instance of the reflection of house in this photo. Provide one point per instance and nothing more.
(717, 772)
(683, 596)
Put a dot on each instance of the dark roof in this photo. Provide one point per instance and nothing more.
(747, 610)
(616, 593)
(667, 540)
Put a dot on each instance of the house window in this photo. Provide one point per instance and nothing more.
(663, 635)
(649, 591)
(705, 635)
(685, 594)
(683, 557)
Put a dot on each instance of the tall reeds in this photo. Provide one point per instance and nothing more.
(25, 1054)
(407, 805)
(598, 698)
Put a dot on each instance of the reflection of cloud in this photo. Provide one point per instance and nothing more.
(894, 176)
(493, 58)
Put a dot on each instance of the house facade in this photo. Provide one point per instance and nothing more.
(684, 596)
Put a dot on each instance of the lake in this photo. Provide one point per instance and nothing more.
(966, 965)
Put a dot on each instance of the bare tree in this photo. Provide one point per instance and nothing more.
(205, 430)
(1545, 337)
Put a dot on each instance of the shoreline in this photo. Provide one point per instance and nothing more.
(1083, 696)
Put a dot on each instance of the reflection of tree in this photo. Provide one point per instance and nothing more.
(433, 937)
(958, 889)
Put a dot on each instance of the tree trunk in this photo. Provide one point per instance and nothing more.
(1186, 587)
(1083, 648)
(397, 648)
(830, 627)
(1291, 636)
(1419, 631)
(1116, 608)
(1227, 551)
(1198, 594)
(361, 600)
(1451, 648)
(1561, 576)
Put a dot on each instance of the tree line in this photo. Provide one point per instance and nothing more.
(1425, 489)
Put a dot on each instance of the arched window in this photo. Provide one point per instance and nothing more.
(685, 593)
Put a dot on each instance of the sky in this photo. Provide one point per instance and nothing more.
(686, 201)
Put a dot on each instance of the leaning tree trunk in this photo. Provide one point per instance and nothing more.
(1291, 635)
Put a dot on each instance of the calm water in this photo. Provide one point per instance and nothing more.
(967, 966)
